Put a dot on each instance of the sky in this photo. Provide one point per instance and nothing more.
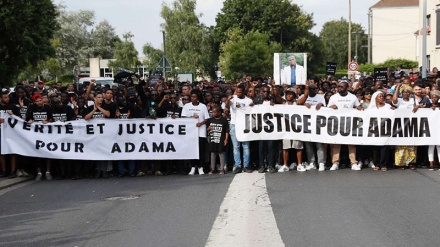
(142, 17)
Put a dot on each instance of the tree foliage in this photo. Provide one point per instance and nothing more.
(390, 63)
(334, 38)
(126, 55)
(282, 21)
(26, 29)
(152, 56)
(250, 54)
(187, 40)
(103, 40)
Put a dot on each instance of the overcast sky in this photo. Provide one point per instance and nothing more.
(142, 17)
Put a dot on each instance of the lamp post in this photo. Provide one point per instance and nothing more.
(356, 46)
(349, 31)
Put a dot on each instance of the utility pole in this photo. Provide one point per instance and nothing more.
(349, 31)
(424, 41)
(369, 35)
(164, 56)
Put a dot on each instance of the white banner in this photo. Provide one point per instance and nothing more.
(343, 126)
(102, 139)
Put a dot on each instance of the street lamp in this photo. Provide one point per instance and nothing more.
(356, 46)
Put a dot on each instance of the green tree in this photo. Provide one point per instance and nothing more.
(152, 56)
(334, 37)
(187, 40)
(250, 54)
(126, 55)
(284, 22)
(103, 40)
(26, 29)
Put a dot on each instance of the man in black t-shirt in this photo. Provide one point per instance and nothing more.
(8, 108)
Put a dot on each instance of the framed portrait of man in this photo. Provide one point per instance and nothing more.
(290, 68)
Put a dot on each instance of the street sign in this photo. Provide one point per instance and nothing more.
(330, 69)
(164, 65)
(353, 66)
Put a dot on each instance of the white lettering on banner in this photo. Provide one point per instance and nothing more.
(99, 139)
(343, 126)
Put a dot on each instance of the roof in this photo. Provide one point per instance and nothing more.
(396, 3)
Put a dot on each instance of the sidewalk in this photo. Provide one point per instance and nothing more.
(8, 182)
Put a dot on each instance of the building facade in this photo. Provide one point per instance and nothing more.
(393, 25)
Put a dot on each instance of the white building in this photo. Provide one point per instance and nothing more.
(393, 25)
(433, 34)
(99, 68)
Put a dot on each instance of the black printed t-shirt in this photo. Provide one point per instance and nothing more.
(217, 135)
(97, 114)
(39, 114)
(124, 110)
(111, 108)
(64, 114)
(23, 109)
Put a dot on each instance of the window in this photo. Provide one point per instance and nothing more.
(437, 33)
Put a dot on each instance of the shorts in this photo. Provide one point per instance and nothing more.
(288, 144)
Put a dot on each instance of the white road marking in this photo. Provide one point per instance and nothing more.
(246, 217)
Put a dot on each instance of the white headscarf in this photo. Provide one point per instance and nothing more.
(373, 100)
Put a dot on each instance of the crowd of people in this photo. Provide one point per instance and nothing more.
(215, 106)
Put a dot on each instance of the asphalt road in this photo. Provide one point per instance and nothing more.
(340, 208)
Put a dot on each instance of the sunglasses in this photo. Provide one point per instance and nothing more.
(185, 99)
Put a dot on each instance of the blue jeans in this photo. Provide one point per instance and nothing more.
(236, 148)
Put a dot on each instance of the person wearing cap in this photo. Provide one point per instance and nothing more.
(292, 99)
(315, 101)
(294, 74)
(39, 112)
(340, 101)
(40, 88)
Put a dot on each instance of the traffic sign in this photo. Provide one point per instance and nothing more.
(353, 66)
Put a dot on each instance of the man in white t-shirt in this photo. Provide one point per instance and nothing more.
(339, 101)
(314, 101)
(197, 110)
(237, 102)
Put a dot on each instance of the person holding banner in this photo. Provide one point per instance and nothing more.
(8, 108)
(317, 101)
(435, 95)
(294, 74)
(344, 99)
(292, 99)
(197, 110)
(378, 103)
(237, 102)
(39, 112)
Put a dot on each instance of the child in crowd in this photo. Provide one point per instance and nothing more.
(218, 136)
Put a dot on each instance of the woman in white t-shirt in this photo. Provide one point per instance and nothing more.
(378, 103)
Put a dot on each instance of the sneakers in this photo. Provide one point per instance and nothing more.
(311, 166)
(334, 167)
(221, 172)
(261, 169)
(321, 167)
(271, 169)
(193, 170)
(371, 165)
(158, 173)
(355, 167)
(301, 168)
(48, 176)
(284, 168)
(236, 170)
(211, 172)
(19, 173)
(25, 174)
(12, 175)
(277, 166)
(201, 171)
(247, 169)
(140, 174)
(292, 166)
(38, 177)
